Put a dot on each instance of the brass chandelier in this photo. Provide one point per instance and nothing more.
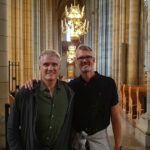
(71, 54)
(74, 22)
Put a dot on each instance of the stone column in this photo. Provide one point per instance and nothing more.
(96, 31)
(3, 57)
(36, 38)
(122, 63)
(46, 29)
(143, 125)
(115, 37)
(148, 72)
(43, 24)
(104, 37)
(20, 37)
(122, 44)
(142, 40)
(50, 26)
(109, 38)
(132, 64)
(93, 16)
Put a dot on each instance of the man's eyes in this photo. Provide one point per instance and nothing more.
(84, 57)
(53, 64)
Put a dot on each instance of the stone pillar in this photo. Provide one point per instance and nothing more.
(20, 39)
(132, 64)
(96, 32)
(142, 44)
(115, 42)
(104, 37)
(3, 57)
(142, 131)
(148, 72)
(46, 29)
(50, 26)
(93, 16)
(113, 35)
(36, 38)
(88, 37)
(122, 45)
(109, 39)
(93, 25)
(122, 63)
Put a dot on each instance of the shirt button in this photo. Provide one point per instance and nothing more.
(52, 116)
(50, 127)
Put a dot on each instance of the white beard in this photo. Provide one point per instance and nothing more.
(86, 68)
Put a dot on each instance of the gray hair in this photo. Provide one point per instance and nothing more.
(85, 48)
(52, 53)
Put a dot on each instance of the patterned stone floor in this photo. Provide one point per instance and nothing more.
(129, 142)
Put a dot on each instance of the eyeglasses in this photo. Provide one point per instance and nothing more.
(84, 58)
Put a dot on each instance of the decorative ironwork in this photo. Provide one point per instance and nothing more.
(146, 3)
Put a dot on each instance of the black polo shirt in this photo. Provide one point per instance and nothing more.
(93, 102)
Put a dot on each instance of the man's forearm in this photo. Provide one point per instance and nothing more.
(116, 125)
(117, 134)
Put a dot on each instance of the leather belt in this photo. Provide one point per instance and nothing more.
(91, 131)
(46, 148)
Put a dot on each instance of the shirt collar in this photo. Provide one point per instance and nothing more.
(43, 87)
(93, 78)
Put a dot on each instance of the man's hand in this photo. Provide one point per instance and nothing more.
(29, 84)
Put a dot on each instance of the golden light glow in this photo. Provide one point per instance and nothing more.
(74, 22)
(71, 54)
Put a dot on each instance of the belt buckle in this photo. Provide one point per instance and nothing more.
(91, 131)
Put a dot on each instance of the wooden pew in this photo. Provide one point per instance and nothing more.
(141, 100)
(133, 102)
(125, 98)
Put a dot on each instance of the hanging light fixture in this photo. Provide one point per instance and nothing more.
(74, 22)
(71, 54)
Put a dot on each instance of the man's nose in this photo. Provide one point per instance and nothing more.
(50, 67)
(84, 59)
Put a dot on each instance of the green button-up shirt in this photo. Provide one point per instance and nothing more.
(51, 111)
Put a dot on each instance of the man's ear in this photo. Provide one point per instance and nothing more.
(60, 66)
(94, 59)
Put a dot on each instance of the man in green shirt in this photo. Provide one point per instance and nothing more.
(41, 118)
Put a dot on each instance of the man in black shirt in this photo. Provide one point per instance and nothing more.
(96, 102)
